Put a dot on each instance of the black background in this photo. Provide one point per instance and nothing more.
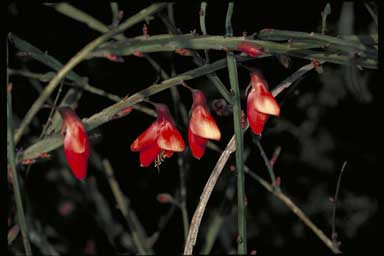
(346, 130)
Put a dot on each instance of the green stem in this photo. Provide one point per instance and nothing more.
(267, 164)
(15, 174)
(203, 28)
(106, 115)
(329, 41)
(82, 54)
(232, 71)
(197, 60)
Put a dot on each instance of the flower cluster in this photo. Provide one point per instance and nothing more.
(162, 138)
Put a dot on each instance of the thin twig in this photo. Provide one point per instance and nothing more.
(82, 54)
(236, 99)
(372, 13)
(203, 8)
(106, 115)
(208, 188)
(230, 148)
(296, 210)
(334, 201)
(138, 235)
(267, 164)
(324, 14)
(12, 165)
(53, 109)
(198, 60)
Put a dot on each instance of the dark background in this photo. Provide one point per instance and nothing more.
(324, 122)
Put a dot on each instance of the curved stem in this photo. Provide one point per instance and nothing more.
(82, 54)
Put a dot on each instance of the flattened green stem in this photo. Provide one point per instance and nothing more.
(15, 175)
(329, 41)
(233, 79)
(198, 61)
(82, 54)
(215, 174)
(203, 8)
(160, 43)
(52, 142)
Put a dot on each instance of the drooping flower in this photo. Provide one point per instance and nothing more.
(159, 140)
(260, 103)
(250, 49)
(202, 126)
(76, 146)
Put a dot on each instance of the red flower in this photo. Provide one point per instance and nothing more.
(159, 140)
(202, 126)
(250, 49)
(76, 147)
(260, 103)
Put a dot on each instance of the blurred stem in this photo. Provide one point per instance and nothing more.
(296, 210)
(324, 14)
(203, 28)
(183, 197)
(233, 79)
(335, 198)
(371, 12)
(12, 165)
(79, 15)
(138, 235)
(267, 164)
(82, 54)
(80, 84)
(179, 108)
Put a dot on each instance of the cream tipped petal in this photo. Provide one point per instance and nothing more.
(203, 124)
(264, 102)
(170, 138)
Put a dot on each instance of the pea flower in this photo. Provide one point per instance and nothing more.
(160, 140)
(76, 146)
(250, 49)
(260, 103)
(202, 126)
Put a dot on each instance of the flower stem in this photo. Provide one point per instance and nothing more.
(81, 55)
(232, 71)
(15, 174)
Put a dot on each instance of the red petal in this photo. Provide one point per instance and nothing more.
(168, 153)
(170, 138)
(202, 122)
(263, 101)
(77, 162)
(197, 144)
(148, 155)
(147, 138)
(76, 147)
(256, 119)
(250, 49)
